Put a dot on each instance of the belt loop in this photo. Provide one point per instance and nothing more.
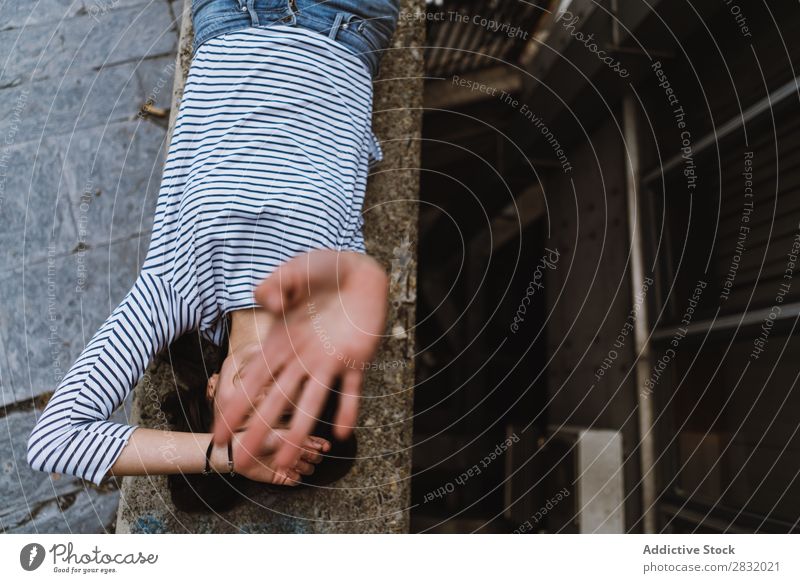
(251, 8)
(336, 24)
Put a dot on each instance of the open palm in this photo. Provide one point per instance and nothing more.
(330, 310)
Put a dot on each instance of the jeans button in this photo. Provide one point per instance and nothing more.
(243, 8)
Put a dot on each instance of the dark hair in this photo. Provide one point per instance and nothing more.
(193, 362)
(188, 408)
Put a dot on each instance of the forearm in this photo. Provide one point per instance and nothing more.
(74, 434)
(154, 452)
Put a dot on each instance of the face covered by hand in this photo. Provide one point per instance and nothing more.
(330, 314)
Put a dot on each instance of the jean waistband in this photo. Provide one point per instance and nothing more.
(364, 27)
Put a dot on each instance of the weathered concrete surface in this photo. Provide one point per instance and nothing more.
(375, 495)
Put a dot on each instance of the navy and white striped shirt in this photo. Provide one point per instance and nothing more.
(269, 158)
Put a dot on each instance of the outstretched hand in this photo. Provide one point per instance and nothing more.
(330, 313)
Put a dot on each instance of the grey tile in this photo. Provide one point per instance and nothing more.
(22, 489)
(62, 106)
(39, 502)
(77, 166)
(156, 77)
(86, 43)
(52, 308)
(83, 512)
(91, 187)
(33, 213)
(118, 176)
(17, 14)
(177, 12)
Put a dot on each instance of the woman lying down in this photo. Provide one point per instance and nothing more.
(257, 247)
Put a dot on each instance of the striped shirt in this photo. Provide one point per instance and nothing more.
(269, 158)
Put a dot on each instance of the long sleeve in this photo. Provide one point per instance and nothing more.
(74, 435)
(268, 159)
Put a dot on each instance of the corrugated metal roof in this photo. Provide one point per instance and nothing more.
(464, 35)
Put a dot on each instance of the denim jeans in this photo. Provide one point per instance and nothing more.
(365, 27)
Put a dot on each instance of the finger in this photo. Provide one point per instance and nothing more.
(312, 457)
(349, 399)
(274, 439)
(319, 443)
(239, 393)
(263, 419)
(315, 391)
(281, 289)
(263, 362)
(225, 390)
(287, 478)
(275, 350)
(300, 276)
(312, 447)
(304, 468)
(312, 452)
(323, 444)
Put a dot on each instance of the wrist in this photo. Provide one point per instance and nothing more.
(219, 458)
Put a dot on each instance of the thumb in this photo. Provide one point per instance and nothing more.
(301, 276)
(281, 290)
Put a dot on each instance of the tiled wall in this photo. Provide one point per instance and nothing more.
(79, 175)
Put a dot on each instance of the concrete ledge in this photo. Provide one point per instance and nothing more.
(375, 496)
